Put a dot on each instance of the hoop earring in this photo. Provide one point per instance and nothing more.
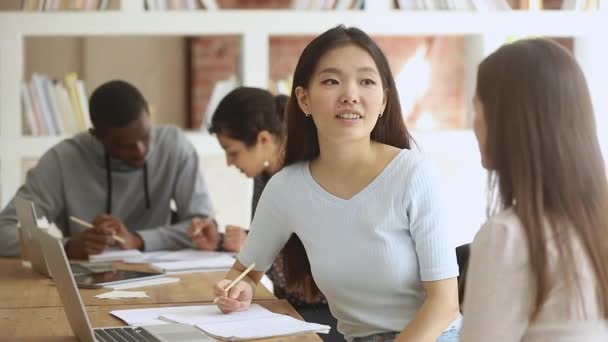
(307, 115)
(380, 115)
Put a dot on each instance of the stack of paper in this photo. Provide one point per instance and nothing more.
(143, 283)
(188, 261)
(146, 257)
(180, 255)
(256, 322)
(114, 255)
(122, 294)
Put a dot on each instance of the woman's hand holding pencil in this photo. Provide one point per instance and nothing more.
(236, 294)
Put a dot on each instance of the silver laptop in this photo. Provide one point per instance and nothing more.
(77, 316)
(26, 214)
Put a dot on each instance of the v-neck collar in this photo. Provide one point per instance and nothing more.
(386, 172)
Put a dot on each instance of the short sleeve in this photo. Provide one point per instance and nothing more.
(428, 225)
(269, 230)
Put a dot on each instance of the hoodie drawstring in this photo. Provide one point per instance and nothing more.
(146, 185)
(109, 185)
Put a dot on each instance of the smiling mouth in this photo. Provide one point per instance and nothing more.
(349, 116)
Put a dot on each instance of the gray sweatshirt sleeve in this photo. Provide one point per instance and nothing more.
(43, 186)
(191, 197)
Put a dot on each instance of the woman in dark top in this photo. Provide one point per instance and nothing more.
(248, 123)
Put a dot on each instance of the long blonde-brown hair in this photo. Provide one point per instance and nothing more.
(545, 158)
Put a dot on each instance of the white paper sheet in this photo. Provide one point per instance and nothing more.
(122, 294)
(149, 316)
(114, 255)
(279, 325)
(180, 255)
(213, 261)
(211, 314)
(142, 283)
(257, 322)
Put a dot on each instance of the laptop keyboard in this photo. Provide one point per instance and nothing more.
(127, 334)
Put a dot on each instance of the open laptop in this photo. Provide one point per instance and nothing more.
(77, 316)
(26, 214)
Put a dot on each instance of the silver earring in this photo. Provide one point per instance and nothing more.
(266, 163)
(307, 115)
(380, 115)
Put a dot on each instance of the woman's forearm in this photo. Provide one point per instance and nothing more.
(433, 317)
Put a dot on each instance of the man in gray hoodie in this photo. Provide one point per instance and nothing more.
(121, 176)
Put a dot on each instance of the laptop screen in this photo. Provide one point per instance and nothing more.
(26, 214)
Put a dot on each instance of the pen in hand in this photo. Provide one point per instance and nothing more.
(236, 280)
(88, 225)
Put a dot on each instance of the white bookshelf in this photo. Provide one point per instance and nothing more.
(255, 27)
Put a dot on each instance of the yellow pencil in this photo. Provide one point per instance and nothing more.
(241, 276)
(199, 229)
(88, 225)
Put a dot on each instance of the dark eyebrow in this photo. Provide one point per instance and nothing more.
(332, 70)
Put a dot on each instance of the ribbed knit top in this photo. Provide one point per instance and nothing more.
(369, 253)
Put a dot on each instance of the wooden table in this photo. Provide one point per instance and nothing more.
(50, 324)
(23, 288)
(31, 310)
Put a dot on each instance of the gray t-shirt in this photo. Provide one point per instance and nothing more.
(70, 179)
(368, 254)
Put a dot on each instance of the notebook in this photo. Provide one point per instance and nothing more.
(253, 323)
(76, 313)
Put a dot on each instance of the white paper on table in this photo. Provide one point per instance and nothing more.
(149, 316)
(189, 254)
(144, 257)
(114, 255)
(256, 322)
(215, 261)
(180, 255)
(142, 283)
(122, 294)
(279, 325)
(211, 314)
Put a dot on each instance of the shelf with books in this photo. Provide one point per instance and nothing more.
(295, 5)
(67, 5)
(297, 22)
(54, 107)
(154, 64)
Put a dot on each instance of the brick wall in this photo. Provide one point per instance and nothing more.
(547, 4)
(215, 58)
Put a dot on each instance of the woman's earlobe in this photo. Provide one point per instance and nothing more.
(264, 136)
(302, 98)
